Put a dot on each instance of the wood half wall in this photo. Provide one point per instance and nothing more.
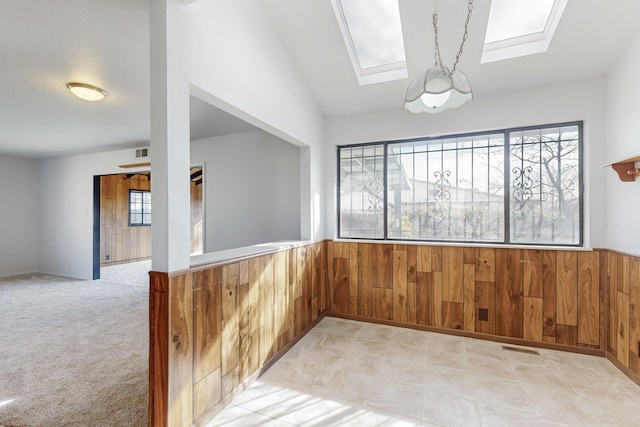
(214, 329)
(225, 323)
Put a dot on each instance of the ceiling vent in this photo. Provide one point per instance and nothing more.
(142, 153)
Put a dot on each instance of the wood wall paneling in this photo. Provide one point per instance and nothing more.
(207, 393)
(400, 284)
(181, 350)
(453, 274)
(523, 293)
(423, 262)
(341, 285)
(436, 300)
(206, 322)
(532, 273)
(613, 304)
(533, 323)
(365, 279)
(623, 273)
(567, 334)
(485, 299)
(264, 303)
(485, 264)
(469, 295)
(604, 298)
(118, 241)
(622, 353)
(634, 315)
(383, 266)
(509, 290)
(436, 258)
(424, 298)
(549, 290)
(567, 309)
(452, 315)
(230, 332)
(412, 261)
(383, 303)
(353, 278)
(588, 292)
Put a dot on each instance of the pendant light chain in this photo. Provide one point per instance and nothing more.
(436, 54)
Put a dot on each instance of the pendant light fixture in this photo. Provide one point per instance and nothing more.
(440, 88)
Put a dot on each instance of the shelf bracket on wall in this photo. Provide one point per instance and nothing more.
(626, 168)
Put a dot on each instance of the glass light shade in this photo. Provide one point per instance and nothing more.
(435, 91)
(435, 100)
(86, 91)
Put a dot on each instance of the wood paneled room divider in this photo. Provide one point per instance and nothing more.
(215, 328)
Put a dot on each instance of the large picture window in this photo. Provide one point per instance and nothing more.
(520, 186)
(139, 207)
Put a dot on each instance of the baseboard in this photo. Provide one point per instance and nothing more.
(211, 414)
(625, 370)
(477, 335)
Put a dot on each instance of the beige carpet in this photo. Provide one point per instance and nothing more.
(72, 352)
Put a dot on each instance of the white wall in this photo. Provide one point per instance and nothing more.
(65, 242)
(19, 217)
(252, 189)
(543, 105)
(622, 141)
(238, 64)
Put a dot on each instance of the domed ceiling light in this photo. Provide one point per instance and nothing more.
(86, 91)
(439, 88)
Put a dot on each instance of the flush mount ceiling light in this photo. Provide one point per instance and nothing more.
(438, 88)
(86, 91)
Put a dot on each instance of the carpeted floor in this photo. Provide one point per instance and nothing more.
(73, 352)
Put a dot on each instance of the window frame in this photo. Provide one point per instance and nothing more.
(142, 212)
(507, 193)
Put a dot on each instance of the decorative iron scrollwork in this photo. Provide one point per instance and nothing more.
(442, 185)
(522, 193)
(375, 189)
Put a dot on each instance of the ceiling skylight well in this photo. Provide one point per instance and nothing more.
(372, 32)
(520, 27)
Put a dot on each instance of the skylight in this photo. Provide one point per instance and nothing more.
(372, 32)
(520, 27)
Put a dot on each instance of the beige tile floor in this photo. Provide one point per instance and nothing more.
(346, 373)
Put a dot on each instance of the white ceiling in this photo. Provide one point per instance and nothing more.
(45, 44)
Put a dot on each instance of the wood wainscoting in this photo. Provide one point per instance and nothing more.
(223, 325)
(544, 296)
(215, 328)
(624, 313)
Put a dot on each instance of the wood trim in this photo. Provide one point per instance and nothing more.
(478, 335)
(158, 349)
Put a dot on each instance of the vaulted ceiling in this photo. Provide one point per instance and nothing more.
(43, 45)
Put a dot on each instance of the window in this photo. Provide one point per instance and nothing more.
(139, 208)
(520, 186)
